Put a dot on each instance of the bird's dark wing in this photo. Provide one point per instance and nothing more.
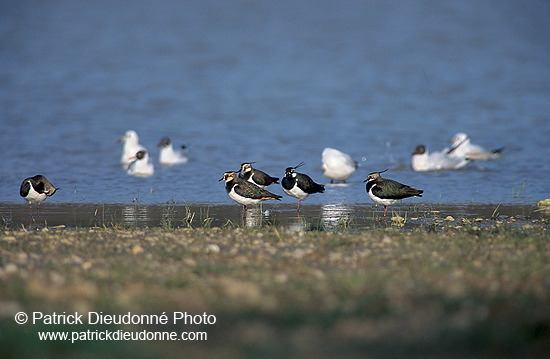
(263, 178)
(250, 190)
(390, 189)
(307, 185)
(25, 188)
(39, 186)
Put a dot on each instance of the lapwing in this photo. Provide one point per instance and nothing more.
(253, 175)
(141, 165)
(170, 156)
(299, 185)
(337, 165)
(422, 160)
(461, 146)
(36, 189)
(130, 148)
(386, 191)
(244, 192)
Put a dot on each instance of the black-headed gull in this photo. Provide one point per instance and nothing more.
(422, 160)
(141, 165)
(170, 156)
(130, 148)
(462, 147)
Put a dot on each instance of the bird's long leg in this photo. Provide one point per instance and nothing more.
(245, 210)
(30, 216)
(299, 202)
(385, 210)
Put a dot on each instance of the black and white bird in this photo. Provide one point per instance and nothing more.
(337, 165)
(253, 175)
(36, 189)
(141, 166)
(244, 192)
(170, 156)
(386, 191)
(299, 185)
(130, 148)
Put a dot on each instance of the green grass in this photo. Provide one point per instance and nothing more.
(466, 290)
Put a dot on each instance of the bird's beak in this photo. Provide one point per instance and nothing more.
(366, 179)
(221, 179)
(121, 139)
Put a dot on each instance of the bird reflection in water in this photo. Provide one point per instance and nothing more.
(254, 217)
(133, 215)
(335, 216)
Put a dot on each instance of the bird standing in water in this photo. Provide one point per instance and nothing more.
(35, 190)
(386, 191)
(299, 185)
(337, 165)
(244, 192)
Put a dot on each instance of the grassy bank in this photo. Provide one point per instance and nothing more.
(461, 291)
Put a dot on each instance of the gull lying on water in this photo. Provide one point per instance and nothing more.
(337, 165)
(422, 160)
(462, 147)
(130, 148)
(141, 166)
(170, 156)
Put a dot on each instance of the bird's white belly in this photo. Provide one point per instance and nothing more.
(141, 168)
(170, 157)
(338, 172)
(296, 192)
(240, 199)
(382, 201)
(35, 197)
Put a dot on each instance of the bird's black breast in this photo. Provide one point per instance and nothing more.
(229, 185)
(288, 182)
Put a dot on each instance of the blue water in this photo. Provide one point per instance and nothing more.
(273, 82)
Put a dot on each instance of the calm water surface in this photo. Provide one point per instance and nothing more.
(275, 83)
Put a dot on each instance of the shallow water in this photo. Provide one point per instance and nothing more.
(326, 217)
(275, 83)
